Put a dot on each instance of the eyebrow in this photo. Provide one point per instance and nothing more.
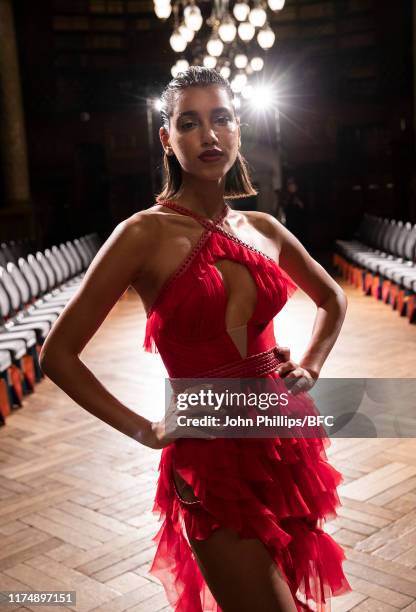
(193, 113)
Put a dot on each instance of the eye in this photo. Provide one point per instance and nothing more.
(187, 124)
(223, 119)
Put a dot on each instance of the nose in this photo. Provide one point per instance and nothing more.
(208, 135)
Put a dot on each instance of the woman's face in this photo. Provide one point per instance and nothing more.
(203, 119)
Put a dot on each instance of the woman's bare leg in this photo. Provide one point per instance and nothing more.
(240, 573)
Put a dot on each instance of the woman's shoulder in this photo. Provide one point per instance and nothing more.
(152, 226)
(147, 222)
(263, 222)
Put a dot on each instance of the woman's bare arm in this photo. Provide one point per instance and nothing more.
(118, 262)
(312, 278)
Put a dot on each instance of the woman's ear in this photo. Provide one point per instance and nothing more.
(164, 139)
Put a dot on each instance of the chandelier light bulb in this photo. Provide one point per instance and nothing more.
(177, 42)
(193, 17)
(215, 46)
(266, 37)
(209, 61)
(241, 60)
(174, 71)
(276, 5)
(257, 63)
(246, 31)
(182, 64)
(241, 11)
(257, 17)
(186, 33)
(163, 11)
(227, 29)
(225, 72)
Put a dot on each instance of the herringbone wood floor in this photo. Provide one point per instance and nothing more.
(76, 495)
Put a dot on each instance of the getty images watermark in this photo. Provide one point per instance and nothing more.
(219, 408)
(266, 407)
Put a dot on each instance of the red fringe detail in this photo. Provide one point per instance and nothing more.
(149, 343)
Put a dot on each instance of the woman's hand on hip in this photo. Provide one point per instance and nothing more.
(167, 430)
(297, 379)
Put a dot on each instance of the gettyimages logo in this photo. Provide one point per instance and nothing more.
(264, 407)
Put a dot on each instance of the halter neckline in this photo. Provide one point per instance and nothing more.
(186, 211)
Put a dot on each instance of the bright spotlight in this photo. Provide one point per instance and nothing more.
(262, 97)
(157, 104)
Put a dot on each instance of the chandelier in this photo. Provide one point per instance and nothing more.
(237, 40)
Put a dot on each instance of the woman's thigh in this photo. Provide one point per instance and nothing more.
(239, 572)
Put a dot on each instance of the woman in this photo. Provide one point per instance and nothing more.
(241, 517)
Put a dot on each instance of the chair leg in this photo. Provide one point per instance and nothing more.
(401, 302)
(368, 281)
(5, 407)
(385, 290)
(29, 372)
(375, 287)
(393, 295)
(16, 380)
(411, 308)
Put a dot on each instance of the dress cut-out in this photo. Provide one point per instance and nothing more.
(277, 489)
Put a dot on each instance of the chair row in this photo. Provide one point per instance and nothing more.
(381, 259)
(33, 292)
(12, 250)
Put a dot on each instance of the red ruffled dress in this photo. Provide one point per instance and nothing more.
(279, 490)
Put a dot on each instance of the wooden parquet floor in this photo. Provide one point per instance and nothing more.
(76, 495)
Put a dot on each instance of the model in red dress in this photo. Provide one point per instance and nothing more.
(244, 528)
(278, 490)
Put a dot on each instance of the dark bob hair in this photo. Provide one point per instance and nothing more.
(237, 180)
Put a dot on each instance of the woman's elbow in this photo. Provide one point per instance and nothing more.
(342, 296)
(52, 358)
(45, 360)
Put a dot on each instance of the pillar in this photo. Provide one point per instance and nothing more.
(16, 214)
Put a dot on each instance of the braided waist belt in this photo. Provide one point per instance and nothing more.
(252, 366)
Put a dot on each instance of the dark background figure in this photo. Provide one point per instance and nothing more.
(295, 211)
